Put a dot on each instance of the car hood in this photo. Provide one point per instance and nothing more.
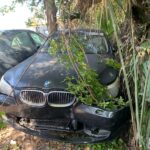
(41, 68)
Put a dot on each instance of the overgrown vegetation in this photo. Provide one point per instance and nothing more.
(122, 22)
(127, 23)
(86, 85)
(111, 145)
(2, 124)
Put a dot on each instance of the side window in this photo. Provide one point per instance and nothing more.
(37, 39)
(22, 40)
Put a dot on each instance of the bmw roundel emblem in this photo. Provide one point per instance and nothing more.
(47, 84)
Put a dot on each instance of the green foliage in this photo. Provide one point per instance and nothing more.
(145, 128)
(1, 113)
(145, 45)
(108, 15)
(86, 85)
(6, 9)
(146, 64)
(114, 145)
(103, 21)
(113, 16)
(2, 124)
(113, 63)
(117, 144)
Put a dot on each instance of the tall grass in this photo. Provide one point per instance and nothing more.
(2, 124)
(137, 114)
(119, 46)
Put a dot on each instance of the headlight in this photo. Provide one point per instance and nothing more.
(113, 89)
(6, 88)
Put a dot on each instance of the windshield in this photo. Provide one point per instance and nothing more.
(92, 44)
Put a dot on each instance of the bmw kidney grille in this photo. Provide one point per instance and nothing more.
(53, 98)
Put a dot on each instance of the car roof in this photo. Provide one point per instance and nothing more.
(84, 31)
(15, 31)
(96, 31)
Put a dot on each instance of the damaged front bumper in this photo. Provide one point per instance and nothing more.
(78, 123)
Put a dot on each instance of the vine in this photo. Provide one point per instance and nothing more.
(70, 51)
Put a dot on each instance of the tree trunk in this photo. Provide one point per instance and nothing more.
(51, 11)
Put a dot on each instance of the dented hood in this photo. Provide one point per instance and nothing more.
(42, 68)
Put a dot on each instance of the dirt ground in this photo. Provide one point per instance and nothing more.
(11, 139)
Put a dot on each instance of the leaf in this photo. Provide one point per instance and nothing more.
(145, 69)
(145, 46)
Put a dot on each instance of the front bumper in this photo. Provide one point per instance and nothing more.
(78, 123)
(7, 103)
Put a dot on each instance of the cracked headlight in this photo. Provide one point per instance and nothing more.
(113, 88)
(6, 88)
